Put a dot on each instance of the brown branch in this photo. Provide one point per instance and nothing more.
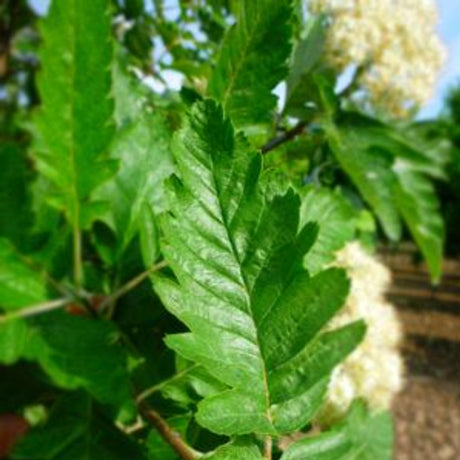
(288, 135)
(268, 448)
(172, 437)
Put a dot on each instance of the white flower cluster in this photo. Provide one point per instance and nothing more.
(374, 370)
(393, 42)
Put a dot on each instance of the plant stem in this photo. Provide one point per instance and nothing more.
(77, 258)
(130, 285)
(153, 389)
(268, 448)
(288, 135)
(35, 309)
(171, 436)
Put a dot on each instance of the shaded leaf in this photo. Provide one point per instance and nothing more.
(336, 219)
(370, 171)
(240, 449)
(300, 84)
(75, 431)
(393, 178)
(416, 200)
(143, 151)
(15, 212)
(362, 436)
(75, 352)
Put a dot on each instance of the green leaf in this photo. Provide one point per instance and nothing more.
(15, 212)
(131, 96)
(191, 384)
(254, 313)
(143, 150)
(300, 84)
(393, 177)
(336, 219)
(76, 431)
(149, 238)
(252, 61)
(416, 200)
(370, 170)
(241, 449)
(75, 352)
(74, 124)
(362, 436)
(20, 285)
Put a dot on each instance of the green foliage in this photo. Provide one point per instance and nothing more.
(393, 177)
(239, 450)
(164, 292)
(19, 285)
(336, 219)
(362, 436)
(306, 58)
(235, 249)
(136, 188)
(77, 430)
(74, 124)
(252, 61)
(52, 339)
(15, 212)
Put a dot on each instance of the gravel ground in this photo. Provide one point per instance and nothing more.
(427, 420)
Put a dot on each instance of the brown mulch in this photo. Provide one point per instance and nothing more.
(427, 412)
(427, 420)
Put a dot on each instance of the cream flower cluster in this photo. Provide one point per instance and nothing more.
(374, 370)
(394, 43)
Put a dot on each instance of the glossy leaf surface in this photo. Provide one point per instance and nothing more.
(254, 313)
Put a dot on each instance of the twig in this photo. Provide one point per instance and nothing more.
(153, 389)
(35, 309)
(288, 135)
(172, 437)
(268, 448)
(130, 285)
(77, 249)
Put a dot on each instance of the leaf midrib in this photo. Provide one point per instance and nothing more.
(246, 290)
(242, 61)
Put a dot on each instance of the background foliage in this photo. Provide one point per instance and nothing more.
(111, 183)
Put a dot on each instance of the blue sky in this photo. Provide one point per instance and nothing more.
(449, 28)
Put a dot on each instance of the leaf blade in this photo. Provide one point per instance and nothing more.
(233, 245)
(74, 124)
(252, 61)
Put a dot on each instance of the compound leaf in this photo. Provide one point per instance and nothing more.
(254, 313)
